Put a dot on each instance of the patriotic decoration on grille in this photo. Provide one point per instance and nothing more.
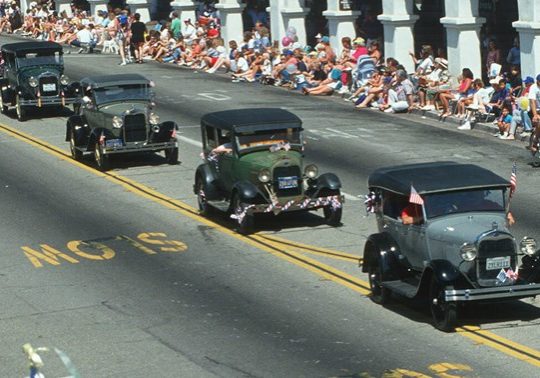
(415, 197)
(513, 180)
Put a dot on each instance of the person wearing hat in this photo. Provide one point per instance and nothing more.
(359, 49)
(189, 32)
(400, 97)
(423, 65)
(437, 77)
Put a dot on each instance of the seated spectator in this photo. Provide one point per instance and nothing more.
(500, 95)
(463, 90)
(375, 53)
(425, 62)
(84, 39)
(514, 81)
(430, 85)
(504, 121)
(520, 113)
(370, 91)
(328, 85)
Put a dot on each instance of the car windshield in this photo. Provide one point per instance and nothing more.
(464, 201)
(273, 140)
(122, 93)
(41, 59)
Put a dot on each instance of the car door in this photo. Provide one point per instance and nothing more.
(227, 161)
(413, 237)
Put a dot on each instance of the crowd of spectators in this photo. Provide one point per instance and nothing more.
(357, 69)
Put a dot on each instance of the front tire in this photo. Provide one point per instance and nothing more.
(202, 200)
(444, 313)
(3, 107)
(76, 154)
(102, 161)
(171, 155)
(20, 109)
(247, 221)
(379, 294)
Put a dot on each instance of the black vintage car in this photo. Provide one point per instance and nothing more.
(254, 163)
(115, 115)
(449, 242)
(33, 76)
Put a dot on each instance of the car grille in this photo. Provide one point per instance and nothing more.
(48, 86)
(292, 171)
(135, 128)
(489, 248)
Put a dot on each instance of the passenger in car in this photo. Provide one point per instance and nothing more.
(412, 214)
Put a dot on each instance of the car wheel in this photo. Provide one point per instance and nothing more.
(332, 215)
(102, 161)
(21, 111)
(246, 223)
(75, 153)
(3, 107)
(444, 313)
(379, 294)
(204, 207)
(171, 155)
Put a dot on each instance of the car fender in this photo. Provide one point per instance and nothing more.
(165, 131)
(328, 181)
(8, 95)
(246, 191)
(444, 271)
(204, 173)
(381, 249)
(73, 121)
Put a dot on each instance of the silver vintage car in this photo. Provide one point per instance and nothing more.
(449, 242)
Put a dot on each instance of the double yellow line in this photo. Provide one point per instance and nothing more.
(279, 247)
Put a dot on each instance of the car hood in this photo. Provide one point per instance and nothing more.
(267, 159)
(120, 108)
(465, 228)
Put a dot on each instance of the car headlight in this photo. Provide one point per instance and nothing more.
(468, 252)
(265, 175)
(64, 80)
(117, 122)
(153, 118)
(33, 82)
(527, 245)
(311, 171)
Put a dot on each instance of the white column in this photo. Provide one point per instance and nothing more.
(63, 5)
(294, 15)
(398, 21)
(232, 25)
(142, 7)
(96, 5)
(277, 25)
(463, 36)
(340, 23)
(528, 26)
(23, 7)
(185, 9)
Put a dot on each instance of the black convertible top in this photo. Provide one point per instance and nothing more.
(31, 47)
(100, 81)
(247, 120)
(434, 177)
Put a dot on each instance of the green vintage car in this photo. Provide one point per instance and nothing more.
(253, 163)
(115, 115)
(33, 76)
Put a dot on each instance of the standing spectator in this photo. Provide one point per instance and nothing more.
(138, 29)
(493, 55)
(122, 28)
(176, 25)
(514, 55)
(256, 9)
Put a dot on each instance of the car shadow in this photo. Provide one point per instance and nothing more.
(33, 113)
(488, 315)
(126, 161)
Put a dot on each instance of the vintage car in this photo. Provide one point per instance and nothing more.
(115, 115)
(33, 76)
(254, 164)
(457, 247)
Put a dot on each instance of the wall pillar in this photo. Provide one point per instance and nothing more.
(232, 24)
(340, 23)
(23, 7)
(185, 9)
(463, 36)
(140, 6)
(528, 27)
(96, 5)
(285, 14)
(398, 21)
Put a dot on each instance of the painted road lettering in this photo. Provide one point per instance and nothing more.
(98, 251)
(442, 370)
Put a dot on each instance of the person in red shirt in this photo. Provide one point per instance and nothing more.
(412, 214)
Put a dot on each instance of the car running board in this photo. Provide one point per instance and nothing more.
(220, 205)
(402, 288)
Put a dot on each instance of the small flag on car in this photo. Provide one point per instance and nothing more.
(502, 276)
(511, 274)
(415, 197)
(513, 180)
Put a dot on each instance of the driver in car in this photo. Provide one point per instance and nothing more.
(412, 214)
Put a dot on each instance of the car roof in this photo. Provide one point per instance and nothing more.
(30, 47)
(99, 81)
(434, 177)
(256, 119)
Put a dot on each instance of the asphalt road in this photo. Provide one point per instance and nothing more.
(120, 273)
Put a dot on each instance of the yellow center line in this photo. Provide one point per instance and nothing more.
(273, 245)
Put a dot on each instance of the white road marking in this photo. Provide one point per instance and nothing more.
(193, 142)
(350, 197)
(462, 156)
(346, 135)
(214, 96)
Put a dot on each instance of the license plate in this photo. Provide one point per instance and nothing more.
(49, 87)
(113, 143)
(497, 263)
(288, 182)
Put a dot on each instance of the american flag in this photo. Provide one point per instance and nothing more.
(415, 197)
(513, 180)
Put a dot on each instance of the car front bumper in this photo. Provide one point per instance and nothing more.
(305, 203)
(45, 101)
(132, 147)
(493, 293)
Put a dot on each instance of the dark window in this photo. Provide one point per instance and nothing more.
(393, 204)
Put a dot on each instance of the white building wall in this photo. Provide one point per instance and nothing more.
(528, 27)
